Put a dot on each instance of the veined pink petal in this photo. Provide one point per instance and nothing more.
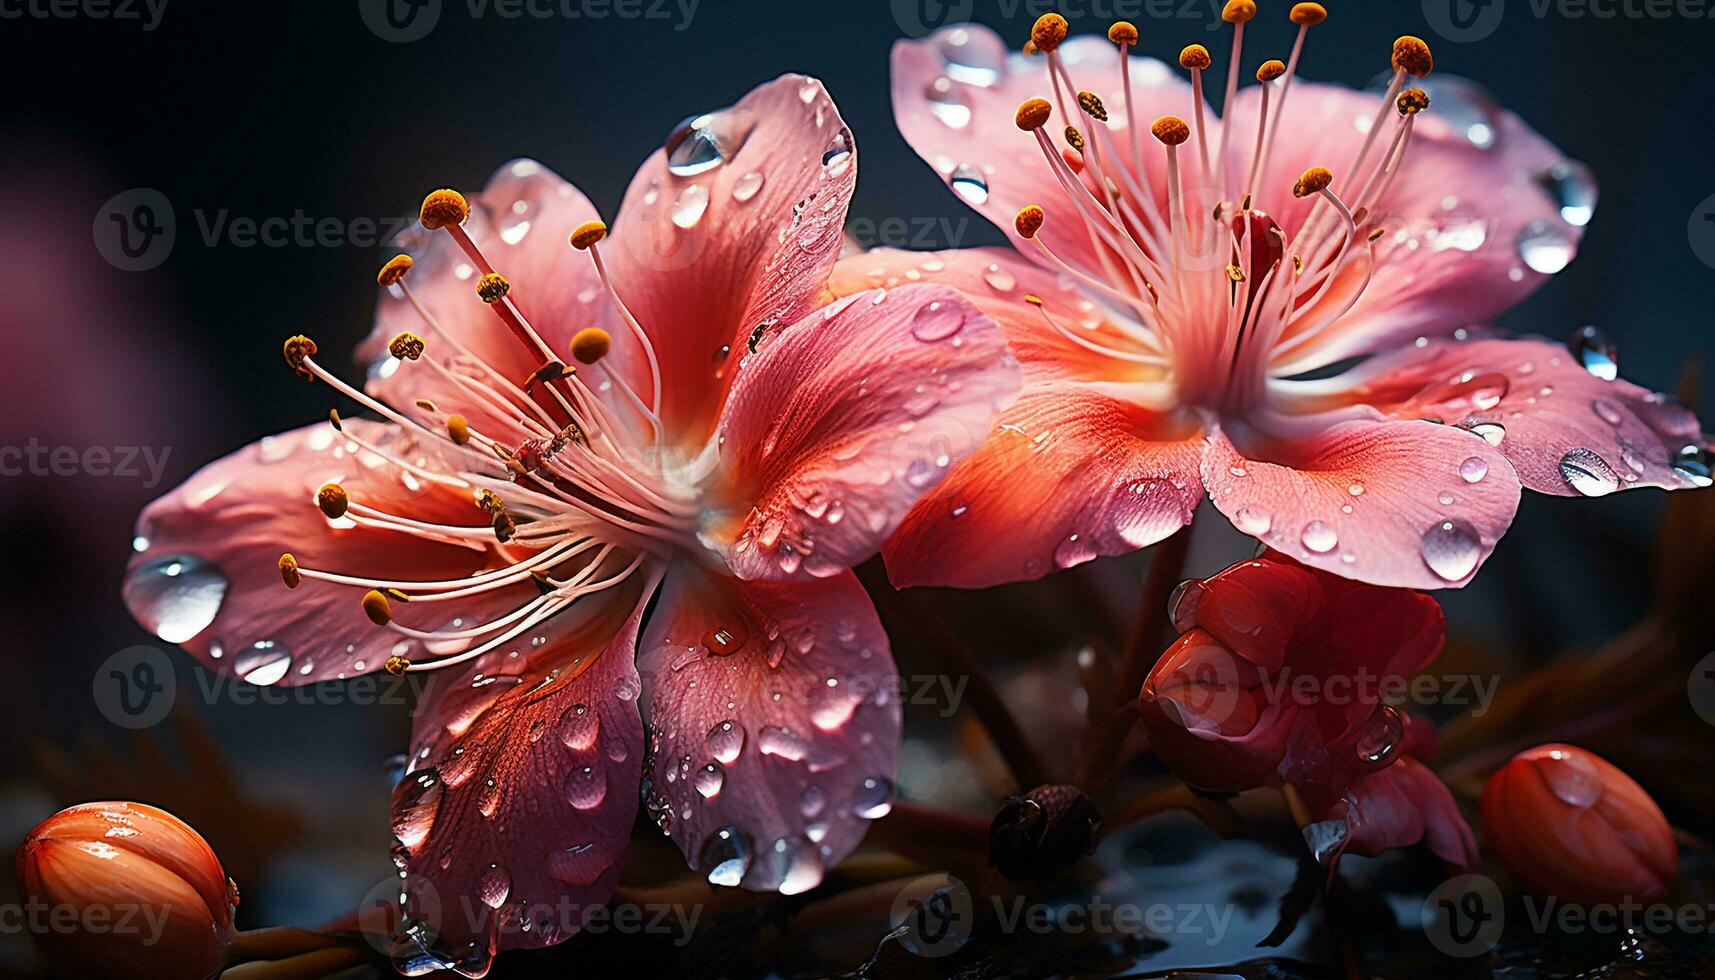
(1254, 607)
(1394, 503)
(523, 782)
(1239, 730)
(1069, 474)
(955, 95)
(840, 422)
(1457, 216)
(997, 280)
(1400, 806)
(774, 724)
(207, 576)
(708, 254)
(1565, 430)
(520, 220)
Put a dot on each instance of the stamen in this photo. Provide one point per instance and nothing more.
(289, 571)
(1411, 54)
(298, 350)
(584, 239)
(590, 345)
(1048, 31)
(377, 608)
(444, 208)
(1308, 14)
(1237, 13)
(1412, 101)
(1195, 58)
(1028, 221)
(1033, 114)
(492, 288)
(397, 666)
(458, 429)
(332, 500)
(1123, 33)
(406, 347)
(1314, 180)
(394, 271)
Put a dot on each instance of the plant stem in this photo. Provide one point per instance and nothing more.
(278, 942)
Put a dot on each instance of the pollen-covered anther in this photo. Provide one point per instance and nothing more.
(1271, 70)
(590, 345)
(1413, 101)
(1195, 57)
(394, 270)
(377, 608)
(444, 207)
(1048, 31)
(1074, 139)
(406, 347)
(1033, 299)
(1171, 130)
(297, 349)
(1033, 114)
(587, 234)
(1123, 32)
(1411, 55)
(1091, 103)
(458, 429)
(492, 288)
(551, 371)
(1308, 14)
(1314, 181)
(332, 499)
(1235, 273)
(289, 573)
(1029, 220)
(397, 666)
(1238, 11)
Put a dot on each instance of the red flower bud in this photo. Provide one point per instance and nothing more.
(1569, 824)
(124, 889)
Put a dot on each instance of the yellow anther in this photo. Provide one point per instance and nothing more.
(397, 666)
(332, 500)
(1074, 139)
(1271, 70)
(394, 270)
(1195, 57)
(587, 234)
(1091, 103)
(1413, 101)
(1308, 14)
(1028, 221)
(458, 429)
(289, 571)
(1048, 31)
(1123, 32)
(1412, 55)
(1171, 130)
(377, 608)
(590, 345)
(1314, 181)
(493, 288)
(406, 347)
(1238, 11)
(1033, 114)
(444, 207)
(296, 350)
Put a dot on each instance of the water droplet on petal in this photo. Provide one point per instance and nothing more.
(724, 641)
(1474, 469)
(812, 800)
(416, 802)
(579, 727)
(586, 786)
(837, 158)
(690, 206)
(176, 597)
(264, 663)
(1607, 411)
(708, 780)
(783, 742)
(746, 186)
(494, 886)
(1325, 839)
(801, 867)
(1451, 548)
(1691, 463)
(873, 798)
(726, 855)
(1492, 433)
(1546, 246)
(999, 280)
(1593, 350)
(936, 321)
(965, 60)
(1573, 188)
(1588, 473)
(725, 741)
(967, 181)
(1319, 537)
(1380, 737)
(701, 143)
(948, 103)
(1571, 778)
(1252, 520)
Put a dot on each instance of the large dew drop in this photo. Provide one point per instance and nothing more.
(702, 143)
(263, 663)
(416, 802)
(726, 856)
(1573, 188)
(1588, 473)
(177, 596)
(1595, 353)
(1451, 548)
(1546, 246)
(586, 787)
(968, 182)
(873, 798)
(725, 741)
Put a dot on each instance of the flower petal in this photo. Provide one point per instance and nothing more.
(1565, 430)
(1400, 806)
(520, 220)
(522, 790)
(730, 230)
(1069, 474)
(1387, 502)
(997, 280)
(1460, 217)
(956, 92)
(773, 724)
(1212, 717)
(1254, 607)
(836, 427)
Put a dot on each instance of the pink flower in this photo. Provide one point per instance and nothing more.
(1280, 678)
(724, 441)
(1201, 308)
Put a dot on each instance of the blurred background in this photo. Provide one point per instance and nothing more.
(234, 111)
